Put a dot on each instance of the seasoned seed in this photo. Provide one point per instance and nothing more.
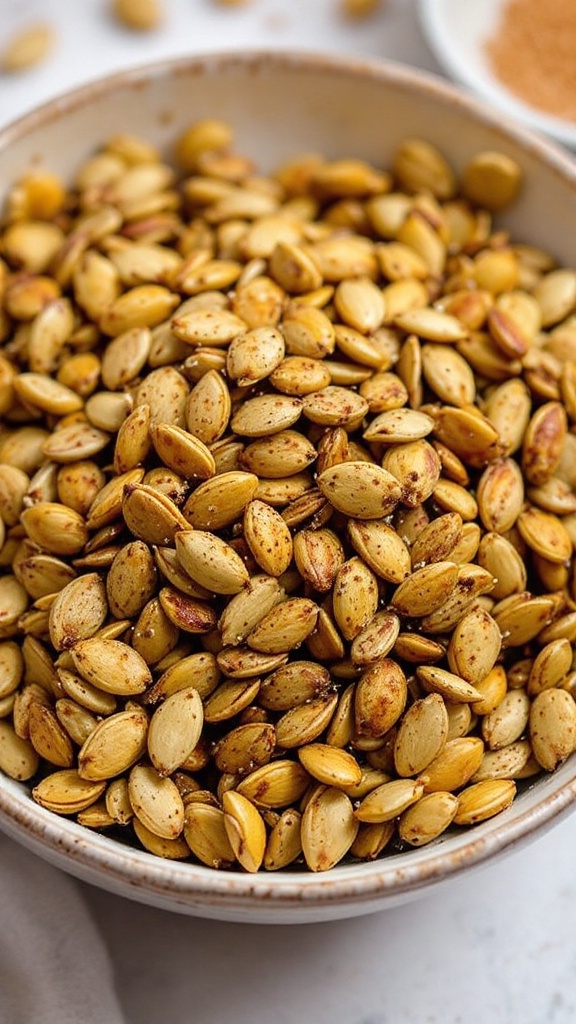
(293, 684)
(449, 685)
(330, 765)
(360, 490)
(306, 722)
(265, 415)
(156, 802)
(247, 608)
(508, 721)
(421, 735)
(376, 639)
(280, 455)
(175, 729)
(284, 844)
(65, 792)
(454, 766)
(299, 375)
(492, 688)
(328, 828)
(389, 800)
(55, 528)
(399, 426)
(417, 467)
(552, 726)
(500, 495)
(208, 407)
(550, 665)
(319, 556)
(381, 548)
(221, 500)
(268, 537)
(253, 356)
(182, 451)
(230, 698)
(523, 619)
(379, 699)
(506, 763)
(78, 611)
(170, 849)
(277, 784)
(448, 374)
(428, 818)
(483, 800)
(205, 834)
(113, 745)
(18, 758)
(111, 665)
(426, 589)
(437, 540)
(241, 662)
(245, 830)
(417, 649)
(474, 646)
(244, 748)
(47, 736)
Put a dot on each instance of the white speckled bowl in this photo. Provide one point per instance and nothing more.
(282, 104)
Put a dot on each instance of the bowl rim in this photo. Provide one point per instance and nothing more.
(409, 77)
(76, 848)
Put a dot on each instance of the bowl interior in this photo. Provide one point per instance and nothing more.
(281, 105)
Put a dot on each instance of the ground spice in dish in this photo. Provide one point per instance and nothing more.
(532, 52)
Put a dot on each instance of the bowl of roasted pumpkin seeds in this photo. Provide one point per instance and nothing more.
(287, 485)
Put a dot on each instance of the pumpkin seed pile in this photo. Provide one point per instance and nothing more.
(287, 497)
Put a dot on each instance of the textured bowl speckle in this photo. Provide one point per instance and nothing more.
(282, 104)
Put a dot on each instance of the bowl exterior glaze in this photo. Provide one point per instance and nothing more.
(281, 104)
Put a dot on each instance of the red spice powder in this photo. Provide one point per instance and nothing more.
(533, 53)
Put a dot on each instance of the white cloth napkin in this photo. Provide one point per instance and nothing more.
(54, 966)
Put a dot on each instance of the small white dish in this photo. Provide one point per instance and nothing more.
(457, 33)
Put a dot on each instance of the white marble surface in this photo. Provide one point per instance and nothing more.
(496, 946)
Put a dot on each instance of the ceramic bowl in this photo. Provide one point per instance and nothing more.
(282, 104)
(457, 34)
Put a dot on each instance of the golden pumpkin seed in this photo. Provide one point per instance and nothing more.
(389, 800)
(245, 830)
(111, 665)
(65, 792)
(113, 745)
(328, 828)
(552, 726)
(483, 800)
(379, 699)
(360, 490)
(78, 611)
(175, 729)
(428, 818)
(421, 735)
(156, 802)
(18, 758)
(206, 835)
